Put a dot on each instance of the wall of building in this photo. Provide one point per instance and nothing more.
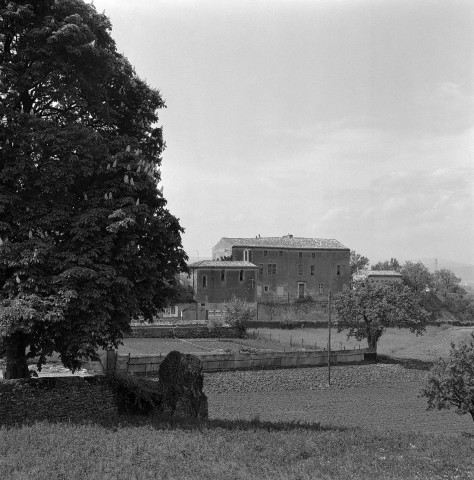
(218, 291)
(282, 280)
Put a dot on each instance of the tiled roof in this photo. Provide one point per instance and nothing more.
(383, 273)
(286, 242)
(221, 264)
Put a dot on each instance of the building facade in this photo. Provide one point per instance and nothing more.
(290, 268)
(384, 276)
(215, 282)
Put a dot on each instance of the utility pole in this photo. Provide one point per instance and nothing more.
(329, 336)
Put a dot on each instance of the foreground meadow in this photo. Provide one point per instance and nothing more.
(228, 450)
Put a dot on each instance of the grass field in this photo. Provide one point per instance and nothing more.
(228, 450)
(358, 431)
(394, 342)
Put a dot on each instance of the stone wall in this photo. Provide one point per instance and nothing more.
(56, 399)
(188, 331)
(149, 365)
(70, 398)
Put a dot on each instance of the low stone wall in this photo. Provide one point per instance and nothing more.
(71, 398)
(214, 362)
(56, 399)
(187, 331)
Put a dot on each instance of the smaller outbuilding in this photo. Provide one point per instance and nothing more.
(215, 282)
(384, 276)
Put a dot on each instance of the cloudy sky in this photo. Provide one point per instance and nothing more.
(346, 119)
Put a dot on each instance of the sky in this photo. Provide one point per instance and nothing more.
(345, 119)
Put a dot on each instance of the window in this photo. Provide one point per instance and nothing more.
(204, 281)
(171, 311)
(260, 269)
(265, 253)
(280, 253)
(300, 254)
(338, 270)
(299, 267)
(247, 256)
(321, 288)
(222, 275)
(272, 269)
(265, 288)
(241, 275)
(313, 254)
(280, 291)
(313, 267)
(252, 283)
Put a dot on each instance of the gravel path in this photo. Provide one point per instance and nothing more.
(342, 376)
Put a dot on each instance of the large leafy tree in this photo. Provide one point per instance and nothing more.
(369, 308)
(86, 242)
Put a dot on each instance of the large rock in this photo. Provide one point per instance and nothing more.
(181, 380)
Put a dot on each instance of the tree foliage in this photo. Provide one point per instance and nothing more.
(369, 308)
(238, 313)
(392, 264)
(450, 383)
(358, 262)
(86, 242)
(417, 276)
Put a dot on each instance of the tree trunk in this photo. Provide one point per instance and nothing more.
(15, 356)
(372, 341)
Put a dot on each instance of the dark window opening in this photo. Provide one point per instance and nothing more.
(241, 275)
(204, 281)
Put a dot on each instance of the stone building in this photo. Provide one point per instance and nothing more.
(215, 282)
(384, 276)
(288, 267)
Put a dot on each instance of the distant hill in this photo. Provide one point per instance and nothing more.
(463, 270)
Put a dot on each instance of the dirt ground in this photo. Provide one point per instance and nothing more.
(394, 407)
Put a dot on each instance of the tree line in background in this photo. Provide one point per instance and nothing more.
(437, 290)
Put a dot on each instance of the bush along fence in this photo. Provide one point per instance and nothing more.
(149, 365)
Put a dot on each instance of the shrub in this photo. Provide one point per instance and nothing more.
(214, 324)
(450, 382)
(288, 317)
(136, 395)
(238, 314)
